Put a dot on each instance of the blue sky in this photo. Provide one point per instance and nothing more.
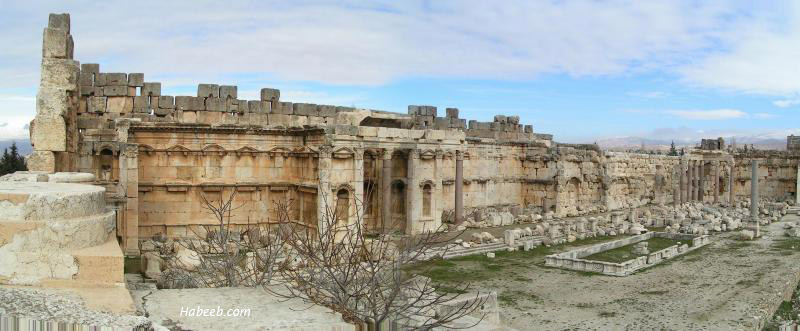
(581, 70)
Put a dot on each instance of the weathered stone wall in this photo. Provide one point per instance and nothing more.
(157, 155)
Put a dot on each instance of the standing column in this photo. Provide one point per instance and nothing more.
(386, 203)
(692, 181)
(701, 179)
(696, 180)
(754, 191)
(358, 209)
(731, 178)
(683, 183)
(716, 181)
(797, 188)
(413, 198)
(676, 185)
(325, 203)
(459, 205)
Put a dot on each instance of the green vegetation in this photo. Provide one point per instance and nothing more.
(607, 314)
(11, 161)
(787, 311)
(512, 298)
(786, 246)
(624, 253)
(449, 275)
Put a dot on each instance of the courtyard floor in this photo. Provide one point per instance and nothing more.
(727, 285)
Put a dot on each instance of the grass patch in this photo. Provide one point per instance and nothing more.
(513, 298)
(791, 245)
(625, 253)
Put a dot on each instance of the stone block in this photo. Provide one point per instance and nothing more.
(152, 89)
(242, 106)
(90, 68)
(208, 90)
(279, 119)
(512, 119)
(305, 109)
(141, 102)
(227, 91)
(349, 130)
(529, 128)
(136, 79)
(367, 131)
(256, 106)
(452, 112)
(59, 21)
(499, 118)
(284, 108)
(122, 105)
(60, 73)
(41, 161)
(161, 112)
(96, 104)
(166, 102)
(49, 133)
(91, 91)
(115, 91)
(55, 44)
(115, 78)
(214, 104)
(270, 94)
(52, 102)
(441, 123)
(326, 110)
(86, 79)
(342, 109)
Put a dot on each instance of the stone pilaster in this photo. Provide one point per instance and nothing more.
(676, 185)
(129, 180)
(731, 181)
(357, 209)
(683, 181)
(754, 196)
(797, 187)
(438, 188)
(325, 202)
(413, 196)
(701, 181)
(459, 188)
(716, 181)
(386, 189)
(695, 181)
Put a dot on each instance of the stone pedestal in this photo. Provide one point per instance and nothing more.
(57, 233)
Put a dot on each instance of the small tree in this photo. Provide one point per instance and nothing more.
(672, 150)
(11, 161)
(366, 278)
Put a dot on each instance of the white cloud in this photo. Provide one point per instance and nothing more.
(353, 43)
(764, 116)
(715, 114)
(786, 103)
(649, 94)
(762, 60)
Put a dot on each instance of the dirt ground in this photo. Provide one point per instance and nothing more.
(727, 285)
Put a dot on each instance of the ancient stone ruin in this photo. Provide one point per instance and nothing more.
(137, 162)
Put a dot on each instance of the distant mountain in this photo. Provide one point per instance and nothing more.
(623, 143)
(23, 145)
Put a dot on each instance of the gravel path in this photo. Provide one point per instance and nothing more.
(728, 285)
(59, 306)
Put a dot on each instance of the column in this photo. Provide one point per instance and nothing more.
(676, 185)
(731, 181)
(701, 178)
(754, 191)
(325, 202)
(413, 198)
(683, 180)
(690, 171)
(696, 180)
(129, 174)
(358, 186)
(459, 204)
(386, 189)
(716, 181)
(797, 187)
(437, 198)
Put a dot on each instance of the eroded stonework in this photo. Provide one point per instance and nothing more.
(156, 155)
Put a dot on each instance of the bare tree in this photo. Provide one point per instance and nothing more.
(366, 279)
(226, 254)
